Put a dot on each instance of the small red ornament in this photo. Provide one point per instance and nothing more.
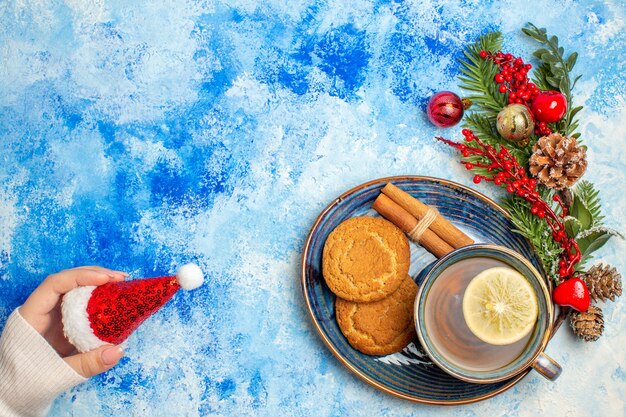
(573, 293)
(445, 109)
(549, 106)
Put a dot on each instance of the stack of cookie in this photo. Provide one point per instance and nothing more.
(366, 263)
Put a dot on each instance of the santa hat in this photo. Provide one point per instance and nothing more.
(108, 314)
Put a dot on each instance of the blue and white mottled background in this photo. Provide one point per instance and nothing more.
(140, 136)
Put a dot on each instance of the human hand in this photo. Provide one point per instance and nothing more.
(42, 310)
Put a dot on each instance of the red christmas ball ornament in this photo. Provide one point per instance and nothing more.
(445, 109)
(549, 106)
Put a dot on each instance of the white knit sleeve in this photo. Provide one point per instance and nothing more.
(32, 373)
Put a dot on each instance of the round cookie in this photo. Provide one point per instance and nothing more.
(365, 259)
(382, 327)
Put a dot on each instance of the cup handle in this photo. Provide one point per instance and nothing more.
(547, 367)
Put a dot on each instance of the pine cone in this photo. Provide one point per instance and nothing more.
(588, 325)
(603, 282)
(557, 161)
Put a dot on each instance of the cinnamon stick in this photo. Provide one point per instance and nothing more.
(393, 212)
(440, 226)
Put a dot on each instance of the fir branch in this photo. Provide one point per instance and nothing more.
(554, 73)
(538, 234)
(586, 223)
(478, 75)
(487, 101)
(588, 196)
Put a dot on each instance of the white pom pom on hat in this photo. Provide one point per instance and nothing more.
(189, 276)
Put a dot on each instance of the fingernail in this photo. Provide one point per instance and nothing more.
(112, 355)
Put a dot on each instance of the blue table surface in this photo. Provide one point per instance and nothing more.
(142, 136)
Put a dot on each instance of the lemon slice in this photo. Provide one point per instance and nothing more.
(500, 306)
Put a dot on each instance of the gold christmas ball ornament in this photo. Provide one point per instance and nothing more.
(515, 122)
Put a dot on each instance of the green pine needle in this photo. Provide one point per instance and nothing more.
(537, 232)
(589, 196)
(478, 78)
(478, 75)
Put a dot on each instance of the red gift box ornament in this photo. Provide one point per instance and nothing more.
(108, 314)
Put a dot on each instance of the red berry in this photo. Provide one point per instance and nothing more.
(476, 179)
(497, 181)
(483, 54)
(466, 132)
(549, 106)
(510, 189)
(534, 209)
(499, 78)
(469, 165)
(541, 213)
(502, 88)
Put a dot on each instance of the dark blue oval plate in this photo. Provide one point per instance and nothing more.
(408, 374)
